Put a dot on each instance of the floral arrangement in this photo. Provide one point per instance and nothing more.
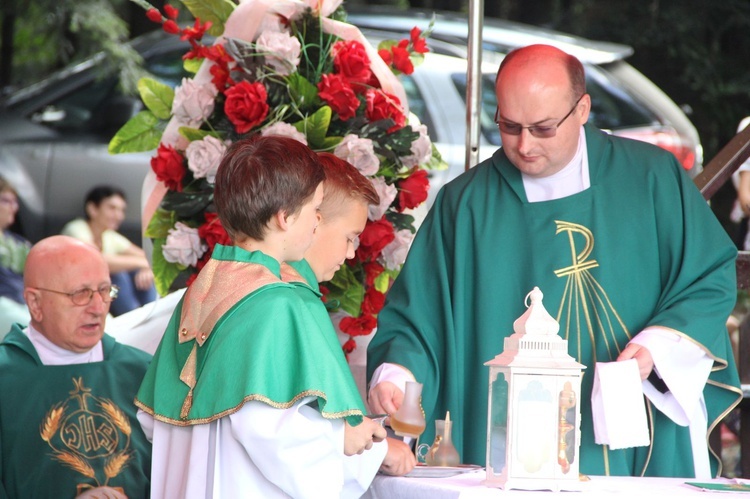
(293, 68)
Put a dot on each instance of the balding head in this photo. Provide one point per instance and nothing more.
(55, 268)
(546, 59)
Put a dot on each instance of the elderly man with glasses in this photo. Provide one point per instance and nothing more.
(631, 260)
(68, 424)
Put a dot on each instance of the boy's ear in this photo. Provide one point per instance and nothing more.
(281, 219)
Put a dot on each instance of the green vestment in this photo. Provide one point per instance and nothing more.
(639, 248)
(241, 334)
(65, 429)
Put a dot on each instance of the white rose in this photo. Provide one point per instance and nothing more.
(387, 194)
(193, 102)
(282, 51)
(285, 130)
(183, 245)
(421, 149)
(204, 156)
(394, 254)
(360, 153)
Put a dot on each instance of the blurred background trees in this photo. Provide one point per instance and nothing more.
(697, 51)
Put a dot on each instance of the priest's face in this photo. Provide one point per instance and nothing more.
(55, 276)
(538, 116)
(336, 238)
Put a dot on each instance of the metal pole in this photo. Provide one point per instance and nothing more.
(474, 82)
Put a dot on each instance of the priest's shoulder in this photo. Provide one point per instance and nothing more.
(648, 155)
(475, 176)
(124, 352)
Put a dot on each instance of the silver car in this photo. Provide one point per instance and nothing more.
(54, 135)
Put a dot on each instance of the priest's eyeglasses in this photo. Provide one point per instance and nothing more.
(108, 292)
(542, 132)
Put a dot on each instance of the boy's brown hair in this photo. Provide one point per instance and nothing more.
(260, 176)
(343, 181)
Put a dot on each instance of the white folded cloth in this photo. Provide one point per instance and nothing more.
(617, 405)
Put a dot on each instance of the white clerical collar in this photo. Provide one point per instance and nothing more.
(572, 179)
(53, 355)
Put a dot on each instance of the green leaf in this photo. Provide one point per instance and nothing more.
(347, 290)
(383, 282)
(386, 44)
(164, 272)
(141, 133)
(195, 134)
(401, 221)
(157, 96)
(160, 223)
(192, 65)
(216, 11)
(315, 127)
(303, 93)
(436, 161)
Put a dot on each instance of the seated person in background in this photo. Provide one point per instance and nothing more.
(13, 251)
(128, 265)
(67, 418)
(741, 210)
(343, 215)
(249, 394)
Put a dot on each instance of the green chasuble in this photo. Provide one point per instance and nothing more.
(241, 334)
(66, 429)
(639, 248)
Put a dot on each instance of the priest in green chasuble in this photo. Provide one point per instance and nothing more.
(631, 260)
(68, 425)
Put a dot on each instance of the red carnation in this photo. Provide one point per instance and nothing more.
(360, 326)
(373, 301)
(213, 232)
(376, 236)
(246, 105)
(169, 167)
(350, 60)
(337, 93)
(418, 43)
(401, 59)
(412, 191)
(381, 105)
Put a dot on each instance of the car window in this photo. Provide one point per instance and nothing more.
(489, 104)
(417, 104)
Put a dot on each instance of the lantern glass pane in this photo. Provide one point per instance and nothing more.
(498, 423)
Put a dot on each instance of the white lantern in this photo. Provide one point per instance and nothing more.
(534, 415)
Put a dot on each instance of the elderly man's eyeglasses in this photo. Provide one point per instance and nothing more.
(108, 292)
(542, 132)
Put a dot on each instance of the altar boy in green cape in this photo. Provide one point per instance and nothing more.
(248, 396)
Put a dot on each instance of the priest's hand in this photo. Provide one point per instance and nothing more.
(641, 355)
(399, 460)
(385, 397)
(360, 438)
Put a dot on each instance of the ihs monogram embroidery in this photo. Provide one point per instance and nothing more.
(88, 434)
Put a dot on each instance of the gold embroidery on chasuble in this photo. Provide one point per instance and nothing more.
(206, 301)
(585, 308)
(88, 434)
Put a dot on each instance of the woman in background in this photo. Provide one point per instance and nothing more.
(13, 251)
(128, 266)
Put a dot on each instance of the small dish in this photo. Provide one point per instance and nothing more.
(424, 471)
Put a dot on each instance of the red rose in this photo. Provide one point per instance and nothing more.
(372, 271)
(418, 43)
(381, 105)
(351, 61)
(213, 232)
(362, 325)
(412, 191)
(169, 167)
(337, 93)
(401, 59)
(373, 301)
(375, 237)
(246, 105)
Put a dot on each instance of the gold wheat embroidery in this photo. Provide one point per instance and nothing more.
(77, 463)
